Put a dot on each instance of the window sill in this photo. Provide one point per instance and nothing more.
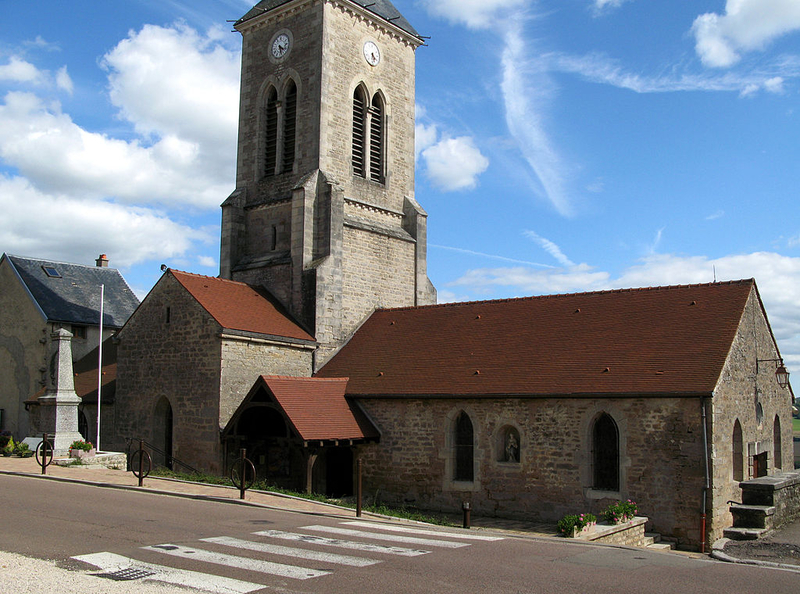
(600, 494)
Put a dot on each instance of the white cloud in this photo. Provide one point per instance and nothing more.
(747, 25)
(600, 5)
(778, 279)
(175, 82)
(424, 137)
(476, 14)
(19, 70)
(551, 248)
(454, 163)
(66, 228)
(59, 156)
(63, 80)
(601, 69)
(527, 90)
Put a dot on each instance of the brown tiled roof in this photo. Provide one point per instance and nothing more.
(238, 306)
(667, 341)
(317, 408)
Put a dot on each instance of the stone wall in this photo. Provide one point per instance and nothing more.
(661, 457)
(24, 340)
(737, 396)
(246, 358)
(175, 361)
(629, 534)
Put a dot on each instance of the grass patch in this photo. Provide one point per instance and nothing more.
(349, 502)
(796, 425)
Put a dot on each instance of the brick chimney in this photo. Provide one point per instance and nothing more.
(102, 261)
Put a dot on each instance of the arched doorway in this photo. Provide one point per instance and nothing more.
(162, 433)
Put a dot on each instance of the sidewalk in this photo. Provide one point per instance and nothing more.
(121, 479)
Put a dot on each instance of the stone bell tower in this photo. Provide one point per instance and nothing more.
(324, 214)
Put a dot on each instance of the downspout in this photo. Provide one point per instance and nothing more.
(707, 484)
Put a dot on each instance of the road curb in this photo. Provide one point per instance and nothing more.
(717, 552)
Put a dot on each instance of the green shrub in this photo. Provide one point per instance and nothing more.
(79, 444)
(621, 511)
(577, 522)
(8, 449)
(23, 450)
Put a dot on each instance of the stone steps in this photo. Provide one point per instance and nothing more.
(744, 533)
(752, 516)
(652, 540)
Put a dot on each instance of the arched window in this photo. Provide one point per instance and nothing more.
(359, 132)
(376, 133)
(776, 441)
(271, 133)
(737, 452)
(289, 127)
(464, 448)
(605, 444)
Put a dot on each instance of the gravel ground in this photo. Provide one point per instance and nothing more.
(23, 575)
(764, 550)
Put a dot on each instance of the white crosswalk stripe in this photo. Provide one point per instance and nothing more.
(291, 551)
(390, 537)
(404, 529)
(289, 571)
(342, 544)
(358, 533)
(111, 562)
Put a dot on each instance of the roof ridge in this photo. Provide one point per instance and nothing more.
(60, 262)
(744, 281)
(304, 377)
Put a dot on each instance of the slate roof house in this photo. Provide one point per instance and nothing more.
(38, 297)
(320, 343)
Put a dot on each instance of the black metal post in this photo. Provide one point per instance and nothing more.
(141, 462)
(44, 453)
(466, 509)
(358, 488)
(242, 478)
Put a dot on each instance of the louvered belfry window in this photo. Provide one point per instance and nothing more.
(376, 140)
(359, 132)
(271, 134)
(289, 127)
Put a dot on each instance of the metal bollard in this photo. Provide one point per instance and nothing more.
(358, 489)
(465, 507)
(141, 462)
(243, 476)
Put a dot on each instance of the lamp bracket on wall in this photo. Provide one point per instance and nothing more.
(781, 375)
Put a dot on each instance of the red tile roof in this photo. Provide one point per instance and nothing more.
(317, 408)
(668, 340)
(238, 306)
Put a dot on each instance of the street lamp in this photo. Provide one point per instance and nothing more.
(781, 374)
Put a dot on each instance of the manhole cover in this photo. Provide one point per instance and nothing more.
(124, 575)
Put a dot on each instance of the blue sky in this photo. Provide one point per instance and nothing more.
(562, 145)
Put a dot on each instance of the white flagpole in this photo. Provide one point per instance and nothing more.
(100, 367)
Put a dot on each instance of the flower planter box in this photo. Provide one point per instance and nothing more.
(82, 454)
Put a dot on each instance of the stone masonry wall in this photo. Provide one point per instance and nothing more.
(244, 360)
(661, 462)
(24, 342)
(739, 392)
(178, 360)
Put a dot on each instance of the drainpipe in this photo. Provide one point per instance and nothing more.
(707, 484)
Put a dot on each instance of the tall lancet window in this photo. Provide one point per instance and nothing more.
(605, 443)
(359, 132)
(271, 133)
(464, 447)
(376, 139)
(289, 127)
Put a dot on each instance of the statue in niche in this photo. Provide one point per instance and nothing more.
(512, 447)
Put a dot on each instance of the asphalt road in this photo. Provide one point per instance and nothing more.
(54, 520)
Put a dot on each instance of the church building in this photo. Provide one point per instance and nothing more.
(321, 343)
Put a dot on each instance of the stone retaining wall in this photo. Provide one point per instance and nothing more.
(628, 533)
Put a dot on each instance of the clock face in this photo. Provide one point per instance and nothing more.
(371, 53)
(280, 46)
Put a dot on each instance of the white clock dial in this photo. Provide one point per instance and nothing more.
(371, 53)
(280, 46)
